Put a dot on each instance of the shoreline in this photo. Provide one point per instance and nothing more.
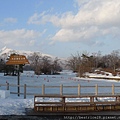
(109, 78)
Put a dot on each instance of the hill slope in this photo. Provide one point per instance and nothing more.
(5, 52)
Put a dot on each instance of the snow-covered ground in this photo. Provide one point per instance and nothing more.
(14, 105)
(103, 75)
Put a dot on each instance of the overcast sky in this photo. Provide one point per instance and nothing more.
(60, 27)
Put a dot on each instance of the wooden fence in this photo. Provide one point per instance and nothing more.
(75, 106)
(61, 89)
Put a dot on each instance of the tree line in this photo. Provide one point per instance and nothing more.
(86, 62)
(38, 63)
(44, 64)
(80, 63)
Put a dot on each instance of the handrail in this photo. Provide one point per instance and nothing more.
(61, 89)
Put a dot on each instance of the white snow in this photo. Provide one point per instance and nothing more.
(14, 105)
(4, 93)
(105, 75)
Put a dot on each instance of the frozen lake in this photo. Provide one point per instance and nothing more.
(15, 105)
(66, 78)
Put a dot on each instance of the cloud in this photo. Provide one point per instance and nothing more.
(10, 20)
(35, 19)
(19, 37)
(38, 19)
(94, 19)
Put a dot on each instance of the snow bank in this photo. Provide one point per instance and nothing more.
(4, 93)
(15, 106)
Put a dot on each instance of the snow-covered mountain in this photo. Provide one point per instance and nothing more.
(5, 52)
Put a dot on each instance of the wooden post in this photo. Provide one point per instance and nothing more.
(24, 91)
(96, 89)
(113, 92)
(43, 89)
(118, 98)
(7, 86)
(63, 103)
(91, 99)
(18, 80)
(78, 89)
(61, 89)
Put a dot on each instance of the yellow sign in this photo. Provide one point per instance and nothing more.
(17, 60)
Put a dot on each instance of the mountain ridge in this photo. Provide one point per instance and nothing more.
(5, 52)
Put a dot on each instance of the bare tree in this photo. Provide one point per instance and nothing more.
(73, 62)
(35, 61)
(55, 66)
(46, 65)
(115, 60)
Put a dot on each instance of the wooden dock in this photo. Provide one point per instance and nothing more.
(67, 106)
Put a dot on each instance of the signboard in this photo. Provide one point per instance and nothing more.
(17, 60)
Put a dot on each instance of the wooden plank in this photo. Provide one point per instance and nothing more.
(75, 96)
(48, 103)
(52, 87)
(73, 108)
(79, 103)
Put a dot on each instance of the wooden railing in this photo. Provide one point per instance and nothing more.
(75, 106)
(62, 89)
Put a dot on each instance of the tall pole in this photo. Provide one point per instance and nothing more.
(18, 80)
